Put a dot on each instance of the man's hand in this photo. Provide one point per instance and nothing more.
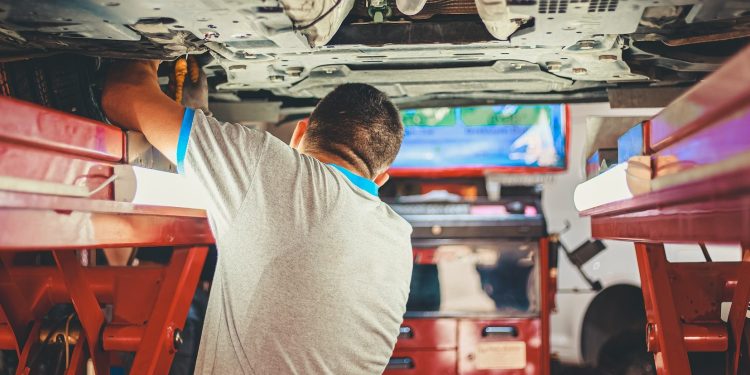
(132, 99)
(195, 94)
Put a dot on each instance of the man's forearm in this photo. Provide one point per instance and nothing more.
(133, 100)
(127, 80)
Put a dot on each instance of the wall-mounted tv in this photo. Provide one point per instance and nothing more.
(473, 141)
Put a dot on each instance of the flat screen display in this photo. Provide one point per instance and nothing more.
(475, 140)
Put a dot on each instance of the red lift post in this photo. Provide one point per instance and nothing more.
(46, 157)
(699, 148)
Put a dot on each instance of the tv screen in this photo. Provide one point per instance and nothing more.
(476, 140)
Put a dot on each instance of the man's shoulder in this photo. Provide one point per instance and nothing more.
(403, 225)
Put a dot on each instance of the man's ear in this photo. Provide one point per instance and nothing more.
(299, 132)
(382, 178)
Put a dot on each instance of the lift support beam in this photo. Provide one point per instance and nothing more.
(699, 148)
(55, 198)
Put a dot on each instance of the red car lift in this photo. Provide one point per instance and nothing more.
(46, 157)
(699, 148)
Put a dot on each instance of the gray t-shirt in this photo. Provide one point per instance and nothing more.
(313, 272)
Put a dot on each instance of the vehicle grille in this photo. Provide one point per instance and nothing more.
(598, 6)
(553, 6)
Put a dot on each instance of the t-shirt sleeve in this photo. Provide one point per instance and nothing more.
(221, 157)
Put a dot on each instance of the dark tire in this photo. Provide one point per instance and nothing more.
(625, 354)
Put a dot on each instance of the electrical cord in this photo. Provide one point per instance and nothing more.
(320, 17)
(704, 250)
(104, 184)
(67, 341)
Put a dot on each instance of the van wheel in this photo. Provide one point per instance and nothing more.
(625, 354)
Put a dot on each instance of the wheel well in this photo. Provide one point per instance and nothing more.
(615, 310)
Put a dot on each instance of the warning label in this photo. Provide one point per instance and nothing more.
(501, 355)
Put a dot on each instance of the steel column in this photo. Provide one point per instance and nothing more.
(157, 347)
(671, 357)
(86, 305)
(738, 311)
(25, 354)
(77, 358)
(14, 305)
(546, 301)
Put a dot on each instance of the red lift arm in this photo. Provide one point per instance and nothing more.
(46, 157)
(699, 148)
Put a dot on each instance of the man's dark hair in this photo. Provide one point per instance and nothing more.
(359, 124)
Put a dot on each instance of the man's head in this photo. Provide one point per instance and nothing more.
(357, 124)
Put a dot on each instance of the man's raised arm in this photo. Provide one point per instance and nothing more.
(132, 99)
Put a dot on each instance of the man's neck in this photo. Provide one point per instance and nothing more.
(332, 159)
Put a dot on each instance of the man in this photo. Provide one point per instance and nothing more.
(313, 269)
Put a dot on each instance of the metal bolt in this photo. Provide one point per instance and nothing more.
(580, 71)
(436, 230)
(608, 58)
(586, 44)
(554, 66)
(178, 340)
(329, 70)
(210, 35)
(652, 344)
(294, 71)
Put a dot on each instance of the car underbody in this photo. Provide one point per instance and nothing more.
(417, 51)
